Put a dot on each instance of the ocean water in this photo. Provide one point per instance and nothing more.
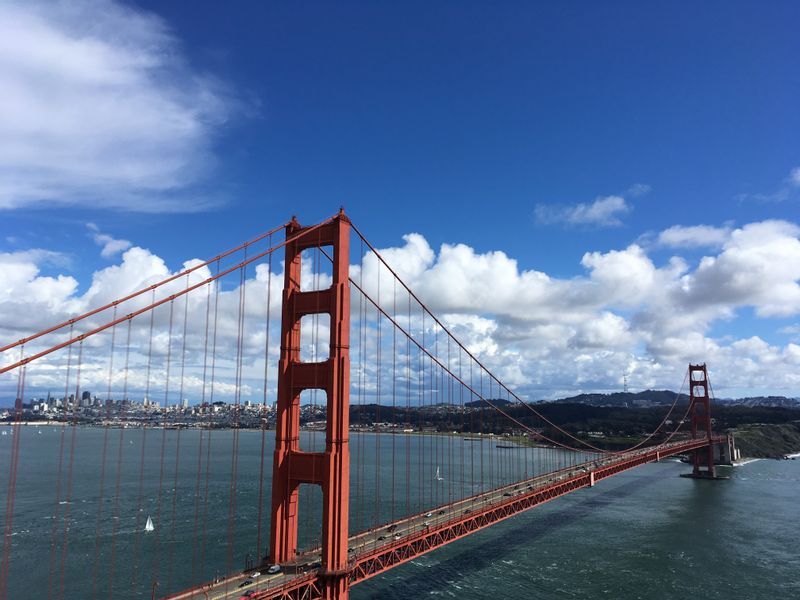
(643, 534)
(646, 533)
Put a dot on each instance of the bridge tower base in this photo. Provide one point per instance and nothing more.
(700, 415)
(291, 466)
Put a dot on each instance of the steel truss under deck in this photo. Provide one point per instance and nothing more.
(387, 556)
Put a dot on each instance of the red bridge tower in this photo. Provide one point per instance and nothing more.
(700, 411)
(329, 469)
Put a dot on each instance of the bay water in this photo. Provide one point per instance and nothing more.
(646, 533)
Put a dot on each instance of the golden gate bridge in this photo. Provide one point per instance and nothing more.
(351, 337)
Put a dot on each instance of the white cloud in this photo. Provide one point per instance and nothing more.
(694, 236)
(790, 329)
(638, 189)
(603, 212)
(543, 335)
(209, 318)
(27, 299)
(626, 314)
(110, 246)
(100, 109)
(787, 190)
(759, 266)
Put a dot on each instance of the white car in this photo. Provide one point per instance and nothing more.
(274, 569)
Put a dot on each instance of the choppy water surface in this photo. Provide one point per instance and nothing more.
(646, 533)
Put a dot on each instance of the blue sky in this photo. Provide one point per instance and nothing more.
(545, 131)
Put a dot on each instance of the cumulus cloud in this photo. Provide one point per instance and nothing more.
(694, 236)
(543, 335)
(759, 266)
(99, 108)
(603, 212)
(28, 298)
(625, 314)
(192, 342)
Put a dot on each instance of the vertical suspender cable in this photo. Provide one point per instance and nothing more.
(56, 511)
(115, 518)
(68, 497)
(378, 405)
(157, 551)
(203, 409)
(180, 407)
(394, 388)
(101, 492)
(12, 479)
(138, 530)
(211, 390)
(263, 423)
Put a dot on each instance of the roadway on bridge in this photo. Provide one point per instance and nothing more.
(367, 542)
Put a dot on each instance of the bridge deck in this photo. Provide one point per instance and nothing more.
(374, 551)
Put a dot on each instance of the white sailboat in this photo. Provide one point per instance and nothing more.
(438, 477)
(149, 525)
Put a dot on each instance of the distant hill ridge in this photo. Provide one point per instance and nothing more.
(650, 398)
(667, 397)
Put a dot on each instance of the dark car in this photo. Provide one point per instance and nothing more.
(245, 583)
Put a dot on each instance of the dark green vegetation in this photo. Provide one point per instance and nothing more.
(667, 397)
(768, 440)
(765, 431)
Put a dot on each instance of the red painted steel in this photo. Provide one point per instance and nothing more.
(310, 586)
(149, 307)
(119, 301)
(329, 469)
(575, 478)
(700, 415)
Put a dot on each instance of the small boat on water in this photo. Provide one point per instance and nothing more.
(148, 527)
